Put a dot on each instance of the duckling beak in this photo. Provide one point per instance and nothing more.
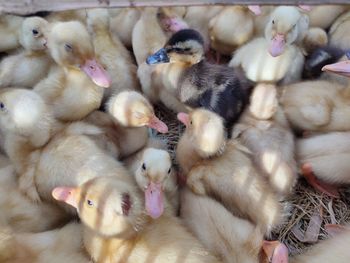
(184, 118)
(341, 68)
(277, 45)
(66, 194)
(158, 125)
(96, 73)
(255, 9)
(154, 200)
(305, 7)
(275, 251)
(160, 56)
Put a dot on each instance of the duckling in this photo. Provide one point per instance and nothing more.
(323, 16)
(231, 28)
(131, 109)
(231, 238)
(73, 87)
(338, 33)
(313, 106)
(112, 54)
(276, 57)
(59, 245)
(124, 233)
(26, 68)
(264, 130)
(198, 17)
(330, 250)
(117, 140)
(39, 146)
(225, 171)
(200, 84)
(21, 213)
(144, 41)
(320, 57)
(324, 161)
(122, 22)
(154, 174)
(315, 37)
(9, 30)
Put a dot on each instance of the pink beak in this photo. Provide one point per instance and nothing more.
(255, 9)
(341, 68)
(275, 251)
(154, 200)
(158, 125)
(277, 45)
(175, 24)
(96, 73)
(305, 7)
(184, 118)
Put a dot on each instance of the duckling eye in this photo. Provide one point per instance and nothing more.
(294, 26)
(176, 49)
(68, 47)
(144, 166)
(35, 32)
(191, 122)
(89, 202)
(169, 170)
(2, 106)
(273, 22)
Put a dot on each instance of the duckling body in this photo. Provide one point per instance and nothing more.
(112, 54)
(128, 235)
(200, 84)
(338, 33)
(231, 238)
(50, 246)
(231, 28)
(327, 155)
(264, 130)
(27, 67)
(73, 87)
(313, 106)
(39, 147)
(10, 31)
(225, 175)
(122, 23)
(21, 213)
(325, 15)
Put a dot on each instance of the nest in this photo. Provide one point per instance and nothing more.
(304, 203)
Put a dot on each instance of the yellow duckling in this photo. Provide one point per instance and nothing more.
(26, 68)
(73, 87)
(124, 233)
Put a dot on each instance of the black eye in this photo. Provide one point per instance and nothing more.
(143, 166)
(89, 202)
(187, 49)
(68, 48)
(2, 106)
(35, 32)
(191, 122)
(179, 50)
(273, 22)
(169, 170)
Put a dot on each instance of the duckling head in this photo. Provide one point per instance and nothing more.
(70, 46)
(285, 26)
(341, 68)
(33, 35)
(108, 205)
(170, 18)
(24, 112)
(153, 176)
(185, 46)
(205, 130)
(131, 109)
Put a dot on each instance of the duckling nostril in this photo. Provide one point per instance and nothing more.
(126, 203)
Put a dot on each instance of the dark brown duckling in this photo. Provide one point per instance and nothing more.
(217, 88)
